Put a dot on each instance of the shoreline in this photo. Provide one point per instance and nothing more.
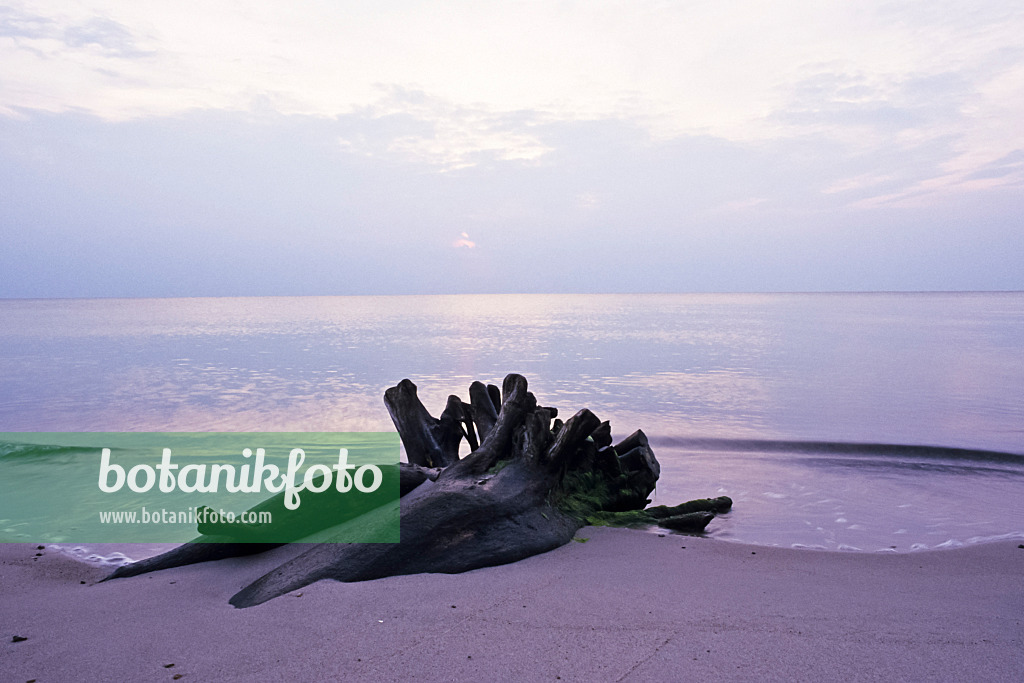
(624, 605)
(109, 556)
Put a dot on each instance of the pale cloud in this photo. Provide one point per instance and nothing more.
(412, 127)
(457, 142)
(863, 75)
(463, 242)
(944, 187)
(156, 206)
(17, 24)
(1009, 167)
(678, 68)
(105, 36)
(710, 108)
(866, 180)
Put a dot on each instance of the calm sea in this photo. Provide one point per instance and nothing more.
(840, 421)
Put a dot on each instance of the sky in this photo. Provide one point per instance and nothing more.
(222, 148)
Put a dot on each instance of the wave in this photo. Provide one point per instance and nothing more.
(878, 450)
(19, 450)
(914, 547)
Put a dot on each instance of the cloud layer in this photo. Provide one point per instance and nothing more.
(727, 145)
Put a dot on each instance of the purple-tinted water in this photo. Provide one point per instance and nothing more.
(729, 387)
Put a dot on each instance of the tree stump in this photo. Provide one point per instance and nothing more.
(528, 484)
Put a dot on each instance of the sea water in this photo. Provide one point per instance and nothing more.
(872, 422)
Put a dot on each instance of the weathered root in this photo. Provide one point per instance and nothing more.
(529, 482)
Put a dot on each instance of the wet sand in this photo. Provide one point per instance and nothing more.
(622, 606)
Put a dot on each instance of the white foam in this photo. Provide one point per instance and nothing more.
(112, 555)
(1012, 536)
(84, 554)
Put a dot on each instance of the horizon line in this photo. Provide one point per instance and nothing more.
(440, 294)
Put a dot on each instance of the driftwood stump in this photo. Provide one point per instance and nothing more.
(528, 484)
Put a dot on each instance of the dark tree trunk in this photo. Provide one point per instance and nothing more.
(220, 541)
(526, 487)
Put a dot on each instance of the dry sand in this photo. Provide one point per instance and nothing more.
(624, 606)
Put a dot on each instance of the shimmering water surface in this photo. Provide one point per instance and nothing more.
(799, 406)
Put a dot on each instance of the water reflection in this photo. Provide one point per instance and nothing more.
(943, 369)
(866, 502)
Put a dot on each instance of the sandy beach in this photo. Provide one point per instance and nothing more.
(621, 606)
